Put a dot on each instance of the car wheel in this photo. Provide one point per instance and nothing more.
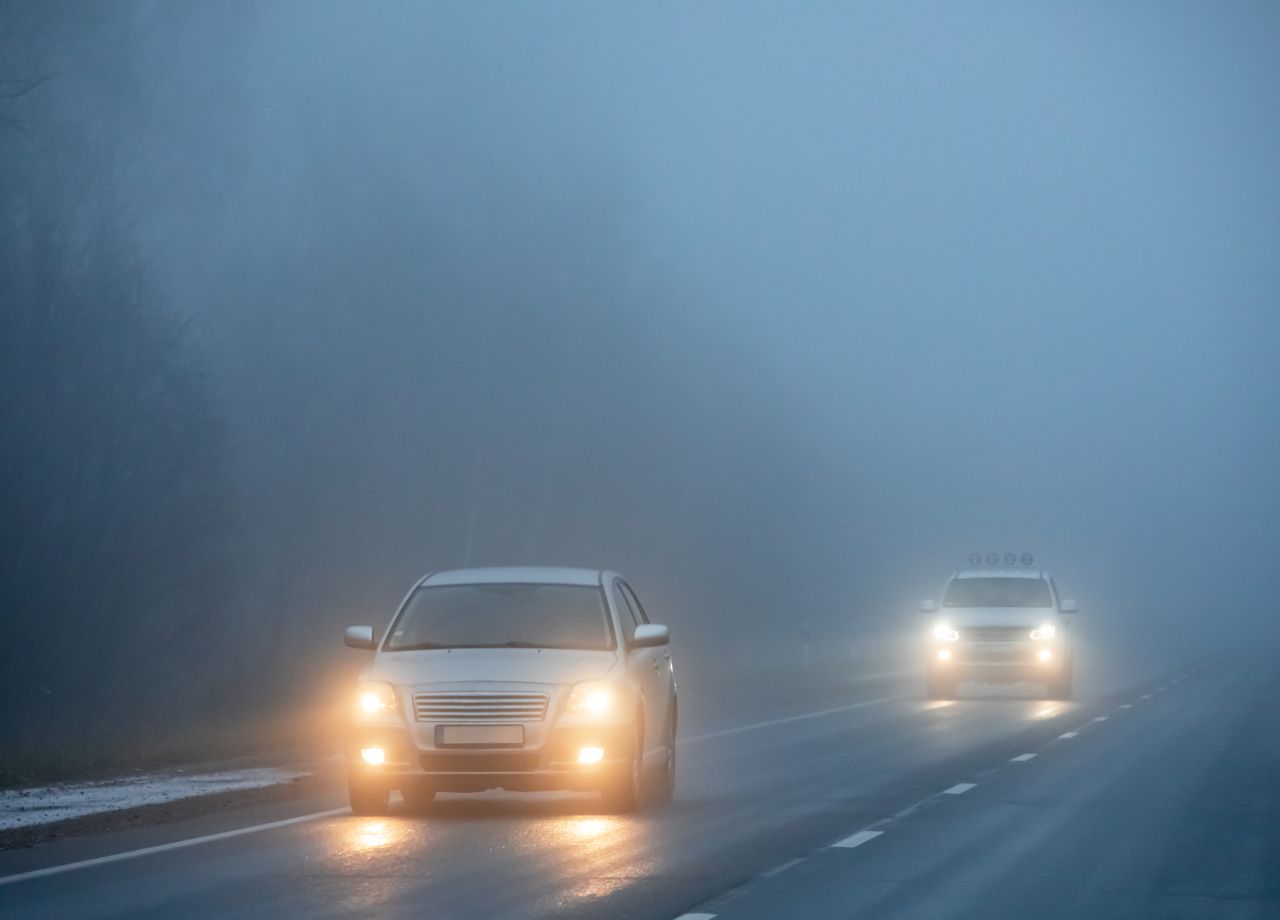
(622, 792)
(1060, 687)
(418, 796)
(938, 687)
(664, 785)
(368, 797)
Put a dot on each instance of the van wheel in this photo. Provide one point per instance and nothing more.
(368, 797)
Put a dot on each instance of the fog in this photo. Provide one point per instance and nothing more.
(782, 312)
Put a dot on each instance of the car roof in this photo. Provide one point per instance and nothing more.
(514, 575)
(1001, 573)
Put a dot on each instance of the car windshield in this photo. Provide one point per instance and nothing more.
(503, 616)
(998, 592)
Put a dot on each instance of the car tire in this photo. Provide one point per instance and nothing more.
(418, 796)
(621, 793)
(1060, 687)
(367, 796)
(664, 778)
(938, 687)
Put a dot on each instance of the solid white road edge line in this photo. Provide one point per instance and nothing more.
(858, 839)
(161, 848)
(1022, 758)
(959, 789)
(778, 870)
(797, 718)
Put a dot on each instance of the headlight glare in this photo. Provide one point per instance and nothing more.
(593, 697)
(944, 633)
(1044, 631)
(375, 698)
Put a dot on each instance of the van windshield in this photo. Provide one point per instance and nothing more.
(998, 592)
(503, 616)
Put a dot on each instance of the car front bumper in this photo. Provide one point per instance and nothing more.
(553, 765)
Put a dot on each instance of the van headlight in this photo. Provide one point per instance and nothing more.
(1044, 631)
(375, 698)
(593, 697)
(944, 633)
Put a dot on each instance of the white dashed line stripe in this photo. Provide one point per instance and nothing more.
(164, 847)
(959, 789)
(1099, 718)
(1068, 734)
(696, 917)
(1161, 689)
(1126, 705)
(1022, 758)
(857, 839)
(1146, 696)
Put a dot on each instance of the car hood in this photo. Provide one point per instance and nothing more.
(491, 665)
(997, 616)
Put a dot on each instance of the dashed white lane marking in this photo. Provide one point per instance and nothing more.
(797, 718)
(1022, 758)
(778, 870)
(1146, 696)
(959, 789)
(1161, 689)
(857, 839)
(696, 917)
(1126, 705)
(176, 845)
(1068, 734)
(1099, 718)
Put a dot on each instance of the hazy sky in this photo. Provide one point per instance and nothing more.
(815, 297)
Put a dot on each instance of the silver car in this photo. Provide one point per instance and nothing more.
(514, 678)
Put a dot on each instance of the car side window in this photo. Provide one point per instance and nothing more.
(634, 602)
(626, 613)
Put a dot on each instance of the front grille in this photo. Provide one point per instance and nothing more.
(480, 706)
(995, 633)
(480, 763)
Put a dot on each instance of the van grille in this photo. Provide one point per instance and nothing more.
(480, 706)
(996, 633)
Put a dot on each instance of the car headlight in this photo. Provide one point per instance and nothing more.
(1044, 631)
(944, 633)
(594, 697)
(375, 698)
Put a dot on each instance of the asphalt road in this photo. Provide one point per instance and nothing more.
(1146, 798)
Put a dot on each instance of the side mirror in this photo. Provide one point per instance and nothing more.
(1069, 607)
(359, 636)
(928, 606)
(650, 635)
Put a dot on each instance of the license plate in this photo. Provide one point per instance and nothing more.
(479, 735)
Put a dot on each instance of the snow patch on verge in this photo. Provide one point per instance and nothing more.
(44, 805)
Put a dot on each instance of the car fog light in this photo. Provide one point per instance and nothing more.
(374, 757)
(944, 654)
(590, 755)
(1045, 654)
